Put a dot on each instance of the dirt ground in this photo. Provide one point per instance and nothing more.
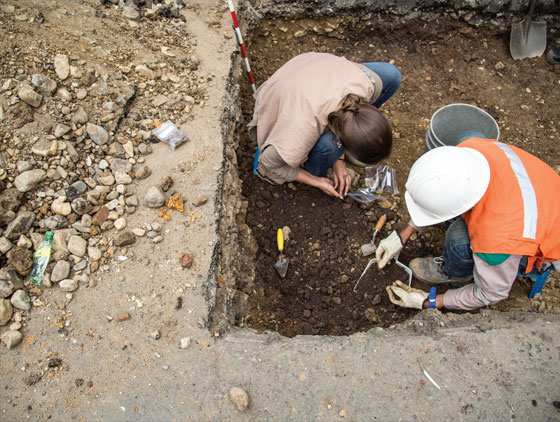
(443, 63)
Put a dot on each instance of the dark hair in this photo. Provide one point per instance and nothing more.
(363, 131)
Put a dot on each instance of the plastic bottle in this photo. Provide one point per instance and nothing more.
(41, 259)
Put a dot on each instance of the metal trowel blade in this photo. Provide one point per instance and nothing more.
(282, 266)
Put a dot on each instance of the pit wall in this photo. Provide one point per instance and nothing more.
(231, 279)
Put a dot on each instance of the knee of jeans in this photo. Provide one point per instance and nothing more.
(394, 78)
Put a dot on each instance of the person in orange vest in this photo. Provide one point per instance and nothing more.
(503, 203)
(317, 111)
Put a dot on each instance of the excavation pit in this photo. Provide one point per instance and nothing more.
(443, 61)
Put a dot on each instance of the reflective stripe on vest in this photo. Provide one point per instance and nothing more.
(530, 209)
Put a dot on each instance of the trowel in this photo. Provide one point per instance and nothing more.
(282, 263)
(370, 248)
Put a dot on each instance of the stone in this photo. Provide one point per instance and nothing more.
(201, 200)
(185, 342)
(45, 147)
(108, 180)
(29, 96)
(62, 66)
(60, 271)
(142, 172)
(60, 239)
(125, 238)
(97, 134)
(80, 186)
(77, 246)
(80, 117)
(80, 206)
(101, 216)
(20, 300)
(54, 222)
(131, 200)
(6, 311)
(125, 316)
(129, 149)
(44, 84)
(21, 259)
(130, 12)
(19, 225)
(240, 398)
(139, 232)
(68, 285)
(61, 207)
(119, 165)
(94, 254)
(144, 71)
(154, 197)
(61, 130)
(120, 223)
(5, 245)
(9, 282)
(12, 338)
(29, 179)
(122, 178)
(24, 241)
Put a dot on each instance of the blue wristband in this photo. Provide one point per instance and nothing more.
(432, 298)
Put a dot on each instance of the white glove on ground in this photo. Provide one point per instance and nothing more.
(407, 297)
(388, 248)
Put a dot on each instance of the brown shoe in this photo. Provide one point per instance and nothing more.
(430, 271)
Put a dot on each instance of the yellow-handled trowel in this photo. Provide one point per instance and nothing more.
(282, 263)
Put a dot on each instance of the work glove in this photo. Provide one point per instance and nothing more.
(405, 296)
(388, 248)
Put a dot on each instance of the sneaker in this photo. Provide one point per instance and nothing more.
(430, 271)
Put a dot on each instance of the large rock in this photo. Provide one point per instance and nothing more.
(61, 207)
(21, 259)
(60, 271)
(80, 117)
(10, 200)
(68, 285)
(121, 165)
(62, 66)
(6, 311)
(60, 239)
(97, 134)
(77, 246)
(29, 96)
(44, 84)
(29, 179)
(19, 225)
(125, 238)
(45, 147)
(154, 197)
(12, 338)
(9, 282)
(20, 300)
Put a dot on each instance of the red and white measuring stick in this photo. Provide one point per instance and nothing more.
(240, 41)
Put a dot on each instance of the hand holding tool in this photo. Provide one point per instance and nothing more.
(388, 248)
(402, 295)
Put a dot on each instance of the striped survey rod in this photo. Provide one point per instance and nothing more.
(240, 41)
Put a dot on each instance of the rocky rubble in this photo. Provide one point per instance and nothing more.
(76, 128)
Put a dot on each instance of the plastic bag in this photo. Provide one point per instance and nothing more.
(168, 133)
(381, 178)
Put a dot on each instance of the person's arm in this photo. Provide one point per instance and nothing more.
(323, 183)
(406, 233)
(492, 284)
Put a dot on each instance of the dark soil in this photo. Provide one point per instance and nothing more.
(441, 63)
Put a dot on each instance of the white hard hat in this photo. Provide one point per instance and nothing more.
(444, 183)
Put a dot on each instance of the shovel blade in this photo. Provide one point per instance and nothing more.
(528, 39)
(282, 267)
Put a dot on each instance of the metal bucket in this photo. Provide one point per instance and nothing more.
(450, 123)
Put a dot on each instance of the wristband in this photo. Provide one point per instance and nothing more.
(432, 298)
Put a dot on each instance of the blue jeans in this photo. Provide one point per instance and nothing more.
(457, 253)
(327, 149)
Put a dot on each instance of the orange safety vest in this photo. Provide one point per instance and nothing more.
(519, 213)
